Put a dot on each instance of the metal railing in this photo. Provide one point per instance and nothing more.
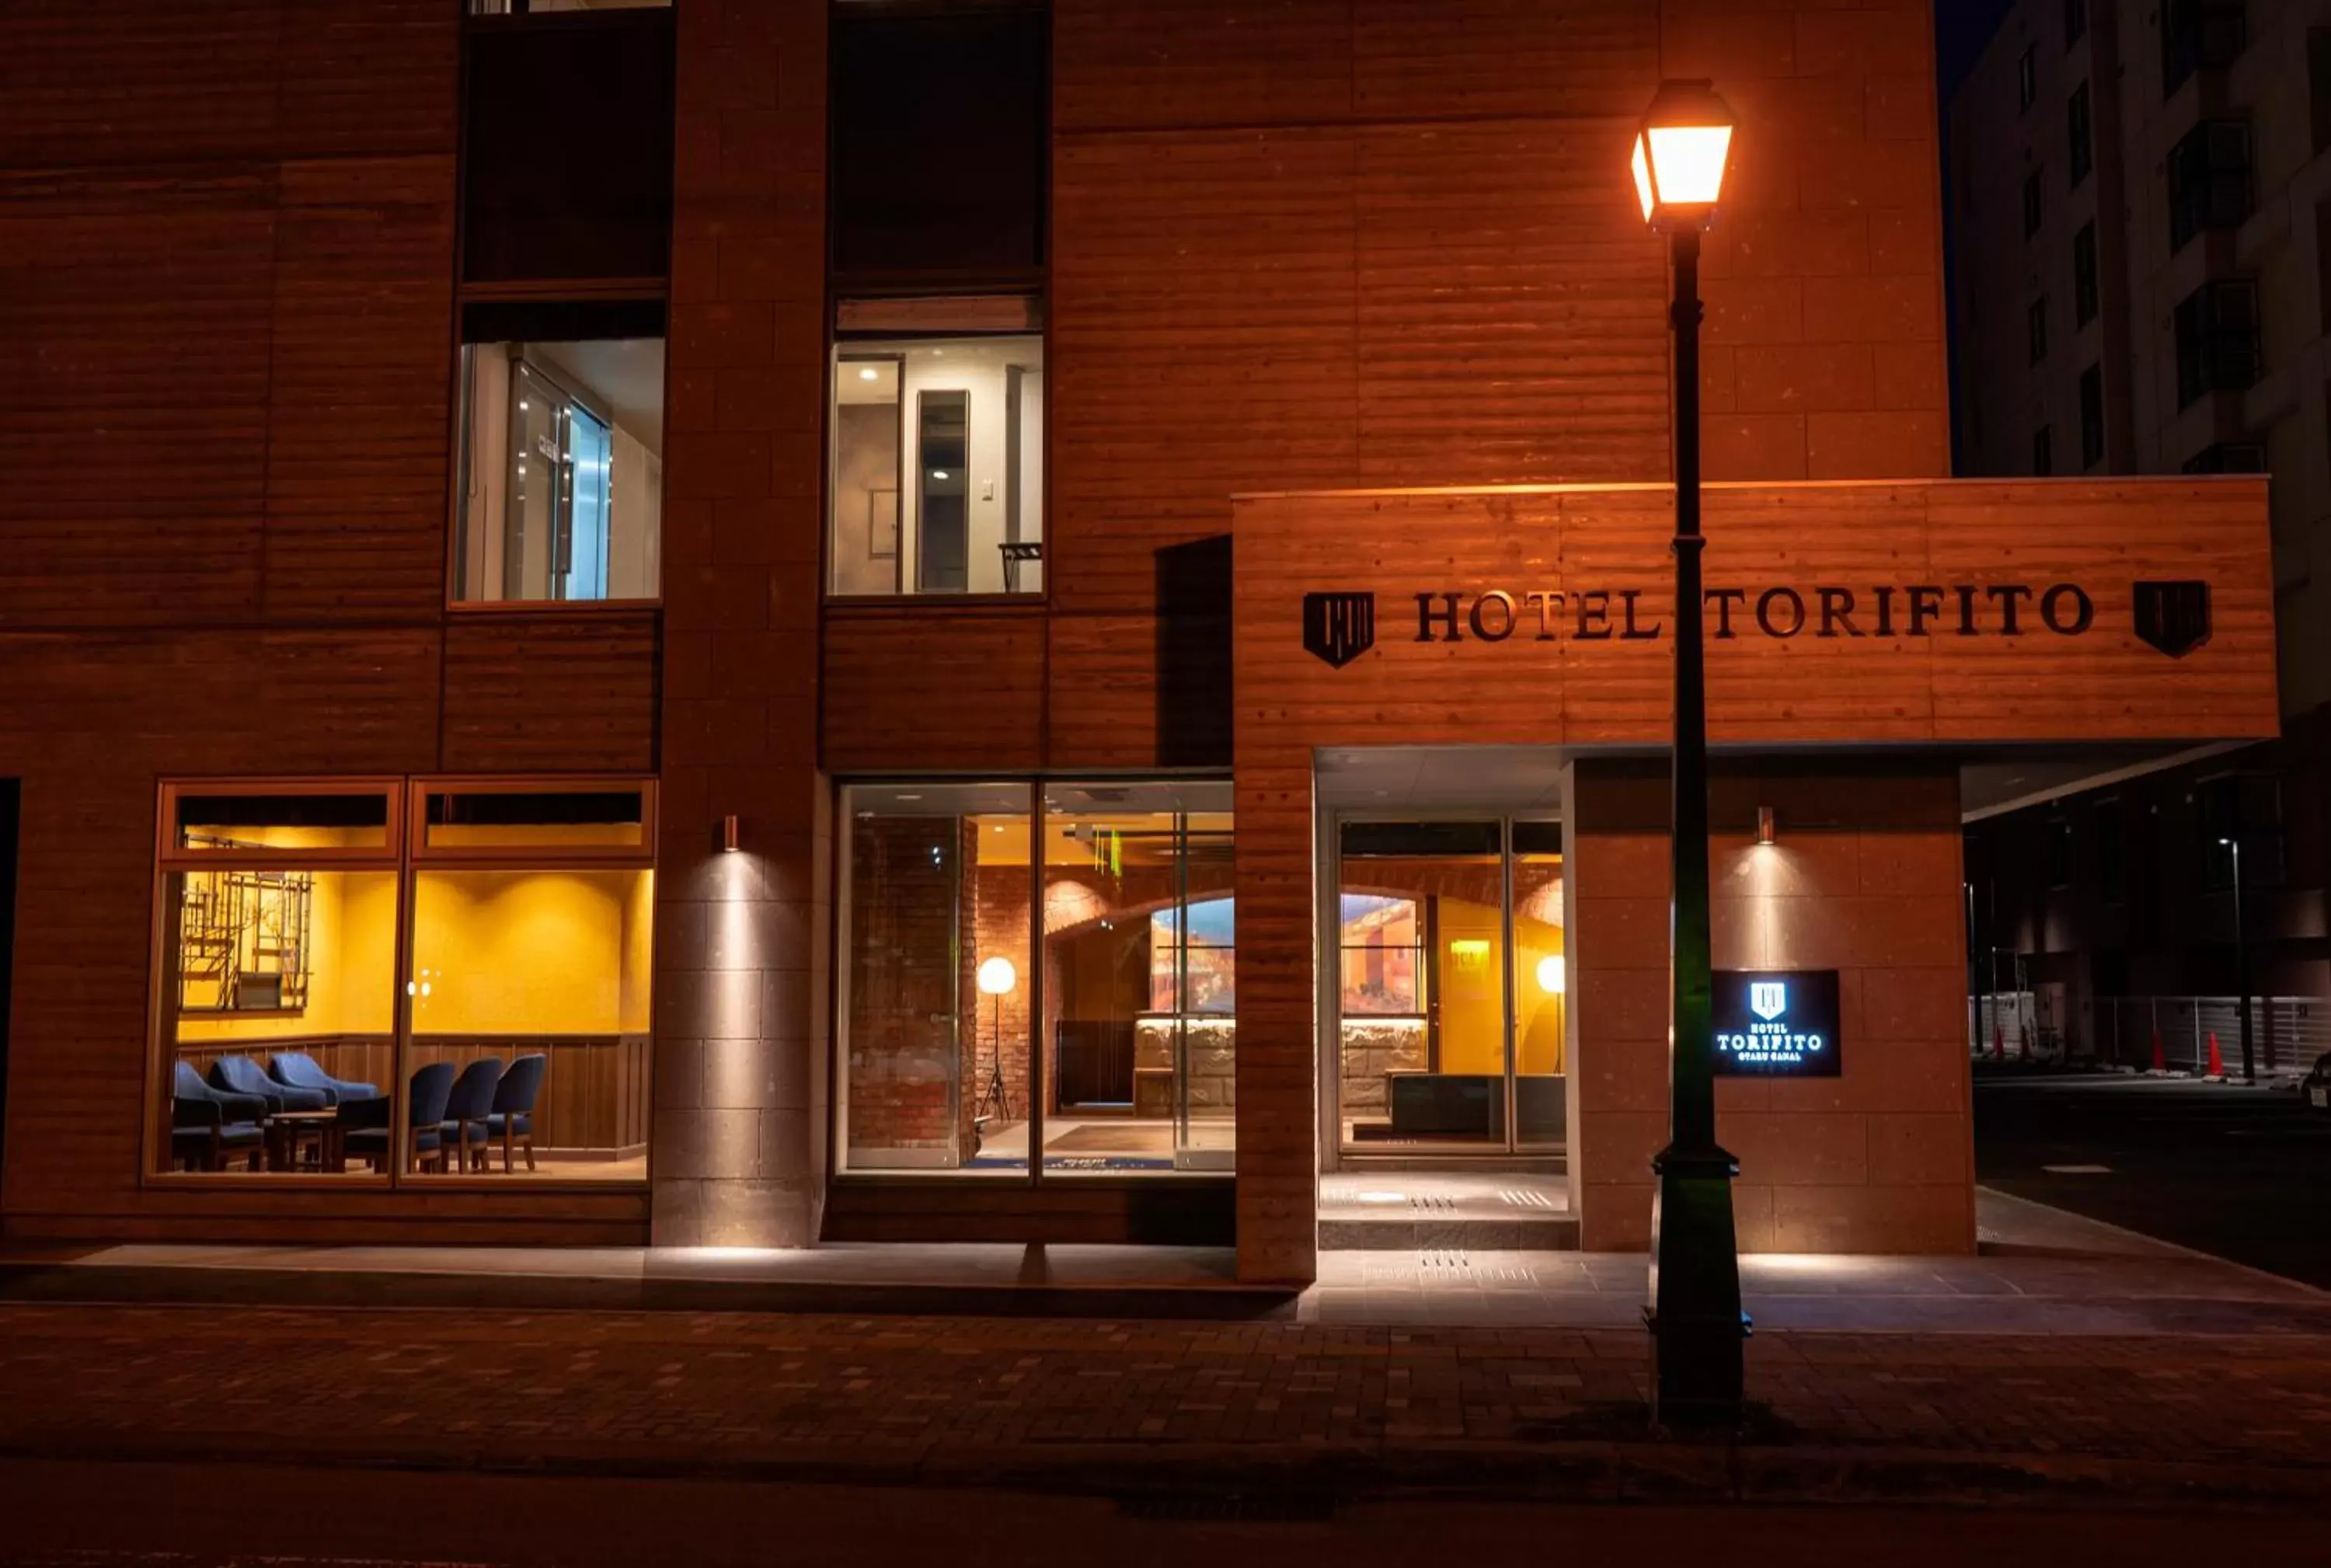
(2287, 1033)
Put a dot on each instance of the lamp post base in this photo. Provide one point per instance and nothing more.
(1695, 1318)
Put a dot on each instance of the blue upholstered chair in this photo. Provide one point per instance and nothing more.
(511, 1121)
(466, 1108)
(298, 1069)
(207, 1125)
(367, 1120)
(240, 1075)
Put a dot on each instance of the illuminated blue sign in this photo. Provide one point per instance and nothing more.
(1776, 1023)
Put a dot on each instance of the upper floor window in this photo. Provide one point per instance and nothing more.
(2079, 133)
(2043, 452)
(2092, 416)
(567, 144)
(2036, 329)
(2084, 293)
(937, 478)
(938, 147)
(2027, 77)
(543, 7)
(2076, 21)
(561, 480)
(2032, 203)
(2209, 179)
(2200, 35)
(2227, 457)
(2217, 339)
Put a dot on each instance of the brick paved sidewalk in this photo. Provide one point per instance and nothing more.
(1102, 1404)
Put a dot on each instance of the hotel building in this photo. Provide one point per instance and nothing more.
(767, 621)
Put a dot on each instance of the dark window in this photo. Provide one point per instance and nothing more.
(2076, 21)
(2227, 457)
(2032, 203)
(2209, 179)
(2043, 455)
(2035, 322)
(2084, 275)
(2217, 339)
(940, 129)
(2059, 852)
(2244, 808)
(2318, 85)
(2199, 35)
(549, 193)
(2111, 861)
(2027, 77)
(2076, 126)
(2092, 416)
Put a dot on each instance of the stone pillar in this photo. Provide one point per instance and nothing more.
(739, 1154)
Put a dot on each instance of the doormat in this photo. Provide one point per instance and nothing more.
(1100, 1139)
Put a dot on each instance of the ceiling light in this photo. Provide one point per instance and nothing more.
(938, 473)
(869, 373)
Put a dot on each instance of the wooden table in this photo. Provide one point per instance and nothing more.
(287, 1129)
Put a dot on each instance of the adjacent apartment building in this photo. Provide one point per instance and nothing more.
(2141, 252)
(762, 621)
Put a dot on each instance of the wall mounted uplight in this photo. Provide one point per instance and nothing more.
(1766, 832)
(728, 841)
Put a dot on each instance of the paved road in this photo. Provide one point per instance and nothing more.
(2244, 1173)
(68, 1516)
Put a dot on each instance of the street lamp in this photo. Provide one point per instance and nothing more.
(2242, 961)
(1682, 152)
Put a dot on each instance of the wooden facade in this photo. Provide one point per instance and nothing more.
(1297, 246)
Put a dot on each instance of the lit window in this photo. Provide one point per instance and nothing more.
(562, 467)
(939, 463)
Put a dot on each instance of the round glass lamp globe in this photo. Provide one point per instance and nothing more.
(1550, 975)
(997, 977)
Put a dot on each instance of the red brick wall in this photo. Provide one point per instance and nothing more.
(900, 961)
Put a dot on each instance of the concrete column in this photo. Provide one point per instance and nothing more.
(740, 1007)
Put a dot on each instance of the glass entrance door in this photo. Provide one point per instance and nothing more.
(1451, 980)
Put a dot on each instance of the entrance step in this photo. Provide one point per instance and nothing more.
(1406, 1211)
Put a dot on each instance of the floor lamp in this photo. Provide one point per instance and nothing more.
(996, 979)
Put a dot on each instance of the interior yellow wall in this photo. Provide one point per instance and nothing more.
(352, 960)
(639, 934)
(529, 952)
(1471, 993)
(1538, 1012)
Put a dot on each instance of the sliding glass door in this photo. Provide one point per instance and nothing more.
(1451, 979)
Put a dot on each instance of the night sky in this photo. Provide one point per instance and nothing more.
(1961, 27)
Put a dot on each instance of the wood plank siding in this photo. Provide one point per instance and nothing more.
(227, 352)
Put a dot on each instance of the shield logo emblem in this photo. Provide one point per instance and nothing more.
(1338, 627)
(1768, 999)
(2173, 617)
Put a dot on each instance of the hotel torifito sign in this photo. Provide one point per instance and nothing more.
(2173, 617)
(1776, 1023)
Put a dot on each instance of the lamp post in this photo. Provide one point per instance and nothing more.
(2243, 962)
(1694, 1316)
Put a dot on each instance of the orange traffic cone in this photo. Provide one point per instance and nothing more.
(2160, 1063)
(2217, 1062)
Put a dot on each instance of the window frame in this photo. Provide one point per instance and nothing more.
(458, 423)
(397, 857)
(2080, 135)
(2087, 278)
(554, 855)
(2035, 329)
(1034, 788)
(858, 332)
(2035, 199)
